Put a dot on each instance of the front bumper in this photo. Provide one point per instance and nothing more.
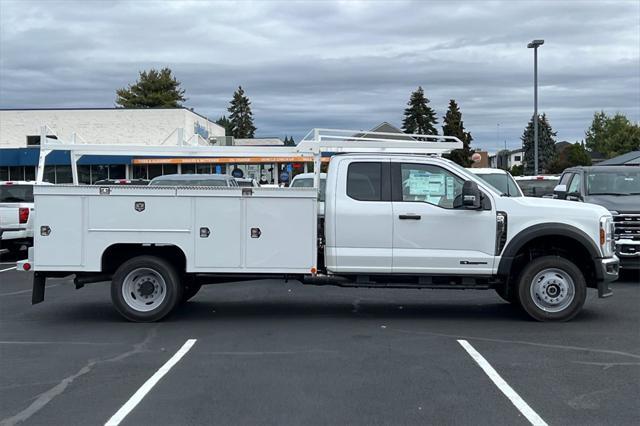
(628, 252)
(608, 272)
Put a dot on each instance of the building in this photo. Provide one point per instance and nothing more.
(20, 132)
(506, 159)
(629, 159)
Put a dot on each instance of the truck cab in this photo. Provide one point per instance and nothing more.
(616, 188)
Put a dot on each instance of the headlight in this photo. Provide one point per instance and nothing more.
(607, 244)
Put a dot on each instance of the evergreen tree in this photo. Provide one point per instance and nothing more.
(154, 89)
(226, 124)
(546, 146)
(288, 141)
(453, 126)
(241, 116)
(419, 118)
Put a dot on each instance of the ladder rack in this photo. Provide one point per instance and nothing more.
(312, 146)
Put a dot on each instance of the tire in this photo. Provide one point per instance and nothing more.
(189, 291)
(551, 288)
(145, 289)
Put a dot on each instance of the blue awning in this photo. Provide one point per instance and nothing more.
(29, 157)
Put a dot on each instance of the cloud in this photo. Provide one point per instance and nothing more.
(338, 64)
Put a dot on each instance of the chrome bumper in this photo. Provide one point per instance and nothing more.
(609, 269)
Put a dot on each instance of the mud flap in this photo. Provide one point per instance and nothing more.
(39, 281)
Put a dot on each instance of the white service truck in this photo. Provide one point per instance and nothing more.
(391, 221)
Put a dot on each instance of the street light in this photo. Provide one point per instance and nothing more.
(534, 45)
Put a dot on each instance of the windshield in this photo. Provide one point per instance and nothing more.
(308, 183)
(620, 182)
(189, 182)
(16, 193)
(503, 182)
(537, 187)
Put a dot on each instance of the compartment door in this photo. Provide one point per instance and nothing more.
(280, 233)
(218, 232)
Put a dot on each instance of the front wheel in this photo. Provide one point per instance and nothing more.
(552, 288)
(145, 289)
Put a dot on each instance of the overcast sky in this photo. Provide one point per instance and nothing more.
(341, 64)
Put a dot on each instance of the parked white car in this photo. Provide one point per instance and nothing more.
(16, 214)
(538, 186)
(499, 179)
(247, 182)
(305, 180)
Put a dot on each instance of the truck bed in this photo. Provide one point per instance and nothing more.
(219, 230)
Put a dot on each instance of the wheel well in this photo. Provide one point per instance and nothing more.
(115, 255)
(558, 245)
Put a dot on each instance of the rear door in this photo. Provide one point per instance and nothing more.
(430, 236)
(363, 225)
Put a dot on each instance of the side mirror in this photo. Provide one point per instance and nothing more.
(471, 196)
(560, 191)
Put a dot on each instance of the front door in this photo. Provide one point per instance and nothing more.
(430, 236)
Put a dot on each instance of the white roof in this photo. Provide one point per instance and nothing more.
(486, 171)
(258, 142)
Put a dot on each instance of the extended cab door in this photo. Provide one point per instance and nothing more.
(360, 222)
(430, 236)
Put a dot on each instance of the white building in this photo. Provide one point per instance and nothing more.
(20, 139)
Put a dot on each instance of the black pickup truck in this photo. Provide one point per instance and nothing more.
(616, 188)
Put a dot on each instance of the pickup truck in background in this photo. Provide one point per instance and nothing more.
(616, 188)
(16, 215)
(391, 221)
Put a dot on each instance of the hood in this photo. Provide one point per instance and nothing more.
(619, 203)
(559, 208)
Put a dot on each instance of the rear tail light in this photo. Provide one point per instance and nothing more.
(23, 214)
(26, 266)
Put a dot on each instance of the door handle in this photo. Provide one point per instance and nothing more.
(410, 216)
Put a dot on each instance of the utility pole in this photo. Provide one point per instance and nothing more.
(534, 45)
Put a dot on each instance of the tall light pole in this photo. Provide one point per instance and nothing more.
(534, 45)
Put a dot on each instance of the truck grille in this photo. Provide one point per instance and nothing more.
(627, 226)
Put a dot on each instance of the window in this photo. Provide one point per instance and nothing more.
(16, 173)
(517, 158)
(16, 194)
(564, 180)
(140, 172)
(203, 168)
(4, 173)
(155, 170)
(29, 173)
(117, 171)
(84, 174)
(169, 169)
(34, 140)
(188, 169)
(63, 174)
(364, 181)
(430, 184)
(575, 184)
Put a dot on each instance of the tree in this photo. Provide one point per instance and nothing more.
(612, 136)
(572, 155)
(225, 123)
(517, 170)
(289, 141)
(154, 89)
(419, 118)
(241, 116)
(453, 126)
(546, 145)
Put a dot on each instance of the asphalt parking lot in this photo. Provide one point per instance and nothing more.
(282, 353)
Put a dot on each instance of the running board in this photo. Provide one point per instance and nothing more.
(431, 282)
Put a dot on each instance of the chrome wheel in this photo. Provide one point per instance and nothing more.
(144, 289)
(552, 290)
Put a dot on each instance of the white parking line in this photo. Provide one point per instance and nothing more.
(8, 269)
(504, 387)
(149, 384)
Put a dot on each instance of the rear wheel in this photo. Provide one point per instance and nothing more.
(552, 288)
(145, 289)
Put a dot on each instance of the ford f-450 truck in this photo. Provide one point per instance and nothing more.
(391, 220)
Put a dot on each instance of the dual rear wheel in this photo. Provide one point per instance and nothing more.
(148, 288)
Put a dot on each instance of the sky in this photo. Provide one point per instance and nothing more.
(345, 64)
